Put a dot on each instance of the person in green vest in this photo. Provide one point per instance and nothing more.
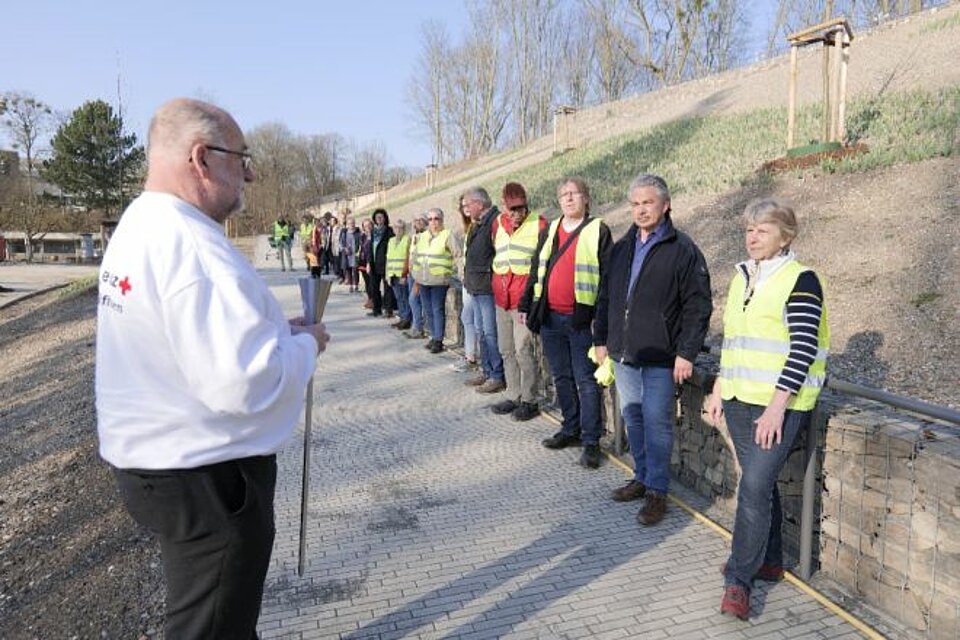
(560, 303)
(283, 239)
(772, 369)
(398, 268)
(516, 233)
(433, 257)
(306, 241)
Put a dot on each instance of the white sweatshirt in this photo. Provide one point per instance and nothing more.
(196, 363)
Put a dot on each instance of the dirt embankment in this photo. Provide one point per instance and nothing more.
(72, 563)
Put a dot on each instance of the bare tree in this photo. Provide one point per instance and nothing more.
(576, 58)
(276, 190)
(367, 168)
(475, 105)
(26, 121)
(425, 89)
(617, 57)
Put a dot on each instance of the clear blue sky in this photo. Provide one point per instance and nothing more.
(324, 66)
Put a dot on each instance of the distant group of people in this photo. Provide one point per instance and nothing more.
(200, 378)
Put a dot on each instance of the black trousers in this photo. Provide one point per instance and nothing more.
(215, 526)
(382, 294)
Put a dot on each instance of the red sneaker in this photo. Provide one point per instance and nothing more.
(766, 572)
(736, 601)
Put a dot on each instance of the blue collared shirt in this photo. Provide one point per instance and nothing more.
(641, 251)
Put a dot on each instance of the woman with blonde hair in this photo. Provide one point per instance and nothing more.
(772, 368)
(468, 314)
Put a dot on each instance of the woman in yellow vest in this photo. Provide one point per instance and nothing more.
(772, 369)
(433, 258)
(398, 268)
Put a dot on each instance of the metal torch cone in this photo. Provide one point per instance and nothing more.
(314, 293)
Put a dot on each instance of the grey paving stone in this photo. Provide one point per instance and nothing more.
(431, 518)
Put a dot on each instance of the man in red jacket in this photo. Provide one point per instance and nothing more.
(515, 236)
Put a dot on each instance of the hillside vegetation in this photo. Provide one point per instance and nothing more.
(881, 227)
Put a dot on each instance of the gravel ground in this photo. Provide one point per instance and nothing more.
(72, 563)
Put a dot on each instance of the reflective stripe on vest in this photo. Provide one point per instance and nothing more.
(306, 231)
(586, 273)
(514, 253)
(757, 341)
(397, 250)
(434, 254)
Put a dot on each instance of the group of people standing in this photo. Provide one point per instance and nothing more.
(190, 423)
(644, 303)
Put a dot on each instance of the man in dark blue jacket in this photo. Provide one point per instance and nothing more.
(655, 307)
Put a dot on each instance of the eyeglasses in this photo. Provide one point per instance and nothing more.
(570, 194)
(433, 218)
(520, 208)
(245, 158)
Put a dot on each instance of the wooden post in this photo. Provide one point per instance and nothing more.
(826, 91)
(836, 126)
(842, 95)
(555, 118)
(792, 99)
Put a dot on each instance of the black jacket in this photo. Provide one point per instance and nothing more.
(478, 262)
(583, 314)
(378, 263)
(669, 309)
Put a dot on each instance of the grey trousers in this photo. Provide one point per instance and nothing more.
(518, 350)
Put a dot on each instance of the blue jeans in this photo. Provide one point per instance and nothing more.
(469, 326)
(435, 300)
(577, 390)
(648, 406)
(486, 312)
(402, 293)
(756, 527)
(416, 307)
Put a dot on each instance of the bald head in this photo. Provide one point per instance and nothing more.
(181, 122)
(196, 152)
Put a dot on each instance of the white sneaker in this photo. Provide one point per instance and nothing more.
(463, 365)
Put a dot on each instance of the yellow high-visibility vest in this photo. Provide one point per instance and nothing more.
(434, 254)
(397, 250)
(306, 232)
(514, 253)
(756, 342)
(586, 275)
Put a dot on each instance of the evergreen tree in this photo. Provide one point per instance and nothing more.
(94, 160)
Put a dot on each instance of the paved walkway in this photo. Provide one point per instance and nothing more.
(433, 518)
(25, 279)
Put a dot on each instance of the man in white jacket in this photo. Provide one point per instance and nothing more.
(199, 377)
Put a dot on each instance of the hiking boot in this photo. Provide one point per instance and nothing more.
(492, 386)
(736, 601)
(633, 490)
(561, 440)
(437, 347)
(654, 508)
(503, 408)
(766, 572)
(429, 344)
(590, 458)
(388, 314)
(374, 314)
(403, 324)
(414, 334)
(476, 381)
(526, 411)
